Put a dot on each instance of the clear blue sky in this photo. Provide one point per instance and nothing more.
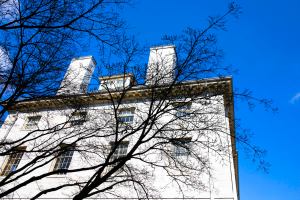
(263, 44)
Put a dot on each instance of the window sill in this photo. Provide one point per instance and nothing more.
(28, 129)
(178, 175)
(58, 176)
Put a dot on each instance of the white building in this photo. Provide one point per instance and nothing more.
(178, 137)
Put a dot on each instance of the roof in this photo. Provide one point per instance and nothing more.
(119, 76)
(222, 85)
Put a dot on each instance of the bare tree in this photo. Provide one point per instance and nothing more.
(170, 121)
(39, 38)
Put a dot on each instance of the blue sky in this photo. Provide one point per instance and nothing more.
(263, 44)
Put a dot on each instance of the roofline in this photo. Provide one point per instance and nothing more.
(133, 88)
(233, 136)
(103, 78)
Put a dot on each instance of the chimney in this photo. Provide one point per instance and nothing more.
(161, 65)
(78, 76)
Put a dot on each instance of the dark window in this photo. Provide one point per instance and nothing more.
(119, 152)
(78, 118)
(181, 146)
(183, 109)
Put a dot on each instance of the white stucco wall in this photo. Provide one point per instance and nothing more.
(218, 181)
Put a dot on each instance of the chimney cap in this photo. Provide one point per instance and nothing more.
(162, 47)
(85, 57)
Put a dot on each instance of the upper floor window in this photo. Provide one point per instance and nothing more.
(11, 164)
(181, 146)
(78, 118)
(126, 116)
(120, 83)
(32, 122)
(63, 161)
(183, 109)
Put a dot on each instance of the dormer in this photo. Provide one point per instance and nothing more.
(116, 82)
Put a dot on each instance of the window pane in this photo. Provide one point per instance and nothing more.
(120, 151)
(13, 162)
(78, 118)
(63, 161)
(183, 109)
(181, 147)
(126, 116)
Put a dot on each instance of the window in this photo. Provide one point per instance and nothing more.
(32, 122)
(63, 161)
(119, 84)
(13, 161)
(181, 147)
(114, 84)
(183, 109)
(120, 151)
(126, 116)
(78, 118)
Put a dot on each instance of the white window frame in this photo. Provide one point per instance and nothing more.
(63, 161)
(126, 116)
(12, 161)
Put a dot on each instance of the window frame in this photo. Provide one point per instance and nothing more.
(19, 152)
(127, 114)
(78, 118)
(183, 109)
(116, 155)
(67, 159)
(181, 147)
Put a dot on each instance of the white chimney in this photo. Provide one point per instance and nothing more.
(161, 65)
(78, 76)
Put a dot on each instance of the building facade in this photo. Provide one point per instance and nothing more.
(161, 140)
